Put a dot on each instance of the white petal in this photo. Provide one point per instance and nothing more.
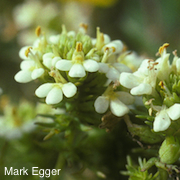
(117, 44)
(118, 108)
(27, 64)
(178, 65)
(125, 97)
(128, 80)
(121, 67)
(141, 89)
(55, 60)
(23, 76)
(162, 121)
(43, 90)
(47, 59)
(64, 65)
(103, 67)
(113, 74)
(174, 111)
(37, 73)
(91, 65)
(77, 70)
(101, 104)
(54, 96)
(69, 89)
(107, 38)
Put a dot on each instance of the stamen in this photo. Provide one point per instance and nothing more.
(85, 26)
(38, 31)
(149, 102)
(78, 46)
(150, 111)
(27, 51)
(175, 52)
(57, 76)
(161, 84)
(100, 39)
(163, 47)
(152, 64)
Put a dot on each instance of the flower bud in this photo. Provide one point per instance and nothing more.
(170, 150)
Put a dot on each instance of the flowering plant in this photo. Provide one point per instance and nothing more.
(92, 80)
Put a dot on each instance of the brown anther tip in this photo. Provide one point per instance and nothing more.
(78, 46)
(38, 31)
(161, 84)
(83, 25)
(106, 49)
(155, 63)
(175, 52)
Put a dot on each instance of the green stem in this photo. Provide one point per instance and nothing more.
(59, 165)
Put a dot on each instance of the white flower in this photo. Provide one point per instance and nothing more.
(49, 60)
(29, 71)
(164, 116)
(113, 70)
(130, 59)
(142, 81)
(117, 102)
(163, 67)
(77, 69)
(54, 91)
(116, 46)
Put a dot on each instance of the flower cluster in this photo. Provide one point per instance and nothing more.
(157, 81)
(69, 61)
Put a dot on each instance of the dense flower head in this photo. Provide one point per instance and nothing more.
(158, 82)
(68, 59)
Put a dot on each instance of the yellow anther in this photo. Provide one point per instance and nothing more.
(161, 84)
(38, 31)
(27, 51)
(164, 46)
(78, 46)
(83, 25)
(114, 49)
(150, 111)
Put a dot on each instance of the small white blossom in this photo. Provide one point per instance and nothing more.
(117, 102)
(113, 70)
(142, 81)
(29, 71)
(164, 116)
(54, 91)
(130, 59)
(49, 60)
(163, 67)
(77, 69)
(116, 46)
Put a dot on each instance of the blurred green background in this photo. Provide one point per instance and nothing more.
(143, 25)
